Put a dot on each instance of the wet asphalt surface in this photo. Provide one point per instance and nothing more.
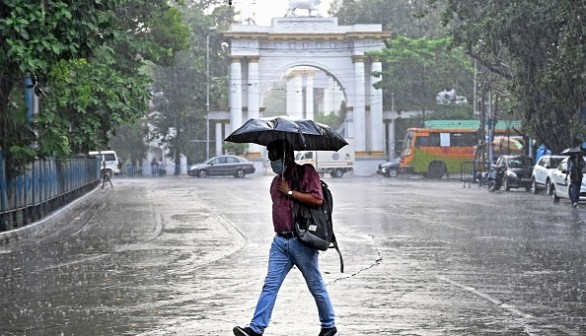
(187, 256)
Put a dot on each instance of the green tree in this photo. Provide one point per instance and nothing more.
(86, 56)
(415, 70)
(167, 35)
(538, 47)
(33, 38)
(130, 144)
(87, 101)
(181, 90)
(177, 114)
(411, 18)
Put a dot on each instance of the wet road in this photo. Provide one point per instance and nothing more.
(187, 256)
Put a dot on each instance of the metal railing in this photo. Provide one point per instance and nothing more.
(471, 172)
(46, 186)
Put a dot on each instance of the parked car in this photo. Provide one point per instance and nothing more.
(542, 172)
(389, 168)
(561, 185)
(223, 165)
(110, 164)
(518, 170)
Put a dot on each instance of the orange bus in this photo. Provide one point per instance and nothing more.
(437, 152)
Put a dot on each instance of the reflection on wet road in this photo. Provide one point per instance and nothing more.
(187, 256)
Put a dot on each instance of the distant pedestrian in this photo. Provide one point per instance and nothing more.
(154, 167)
(576, 166)
(129, 169)
(162, 169)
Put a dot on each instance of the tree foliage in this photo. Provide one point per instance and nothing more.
(410, 18)
(33, 38)
(86, 58)
(415, 70)
(180, 117)
(177, 116)
(130, 144)
(538, 46)
(87, 101)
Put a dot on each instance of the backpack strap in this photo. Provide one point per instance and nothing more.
(335, 245)
(295, 186)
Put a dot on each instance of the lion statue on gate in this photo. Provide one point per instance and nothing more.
(310, 5)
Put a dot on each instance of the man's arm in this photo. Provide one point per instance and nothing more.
(303, 197)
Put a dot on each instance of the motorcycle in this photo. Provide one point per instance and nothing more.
(496, 175)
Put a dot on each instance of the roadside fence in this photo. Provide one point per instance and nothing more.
(46, 186)
(471, 172)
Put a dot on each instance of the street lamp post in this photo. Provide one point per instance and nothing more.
(210, 30)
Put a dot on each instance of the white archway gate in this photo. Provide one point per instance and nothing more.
(261, 55)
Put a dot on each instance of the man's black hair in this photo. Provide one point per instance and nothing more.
(282, 146)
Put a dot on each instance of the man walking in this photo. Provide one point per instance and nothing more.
(576, 166)
(286, 251)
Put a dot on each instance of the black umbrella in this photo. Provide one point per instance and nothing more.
(572, 150)
(303, 134)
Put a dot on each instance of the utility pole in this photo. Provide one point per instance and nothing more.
(474, 94)
(210, 30)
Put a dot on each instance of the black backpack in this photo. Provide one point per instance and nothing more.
(313, 224)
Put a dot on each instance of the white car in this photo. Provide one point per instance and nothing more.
(561, 185)
(110, 162)
(542, 172)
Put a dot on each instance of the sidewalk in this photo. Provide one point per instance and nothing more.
(53, 221)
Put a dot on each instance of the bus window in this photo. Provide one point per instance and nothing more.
(434, 139)
(428, 140)
(464, 139)
(445, 140)
(422, 141)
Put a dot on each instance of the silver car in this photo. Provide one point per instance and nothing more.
(542, 173)
(561, 184)
(223, 165)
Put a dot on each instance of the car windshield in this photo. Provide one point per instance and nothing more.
(520, 162)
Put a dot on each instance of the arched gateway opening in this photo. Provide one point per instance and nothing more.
(306, 92)
(309, 67)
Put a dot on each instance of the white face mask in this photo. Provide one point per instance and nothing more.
(278, 166)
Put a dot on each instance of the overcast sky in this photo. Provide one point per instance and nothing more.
(264, 10)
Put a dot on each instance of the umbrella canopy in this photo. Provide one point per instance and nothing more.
(508, 143)
(572, 150)
(303, 134)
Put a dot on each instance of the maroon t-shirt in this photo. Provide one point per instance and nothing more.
(308, 183)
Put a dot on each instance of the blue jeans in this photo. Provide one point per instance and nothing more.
(283, 255)
(575, 191)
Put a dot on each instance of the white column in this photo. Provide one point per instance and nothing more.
(350, 130)
(219, 138)
(235, 93)
(253, 99)
(253, 89)
(295, 97)
(359, 105)
(329, 92)
(392, 144)
(309, 113)
(377, 130)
